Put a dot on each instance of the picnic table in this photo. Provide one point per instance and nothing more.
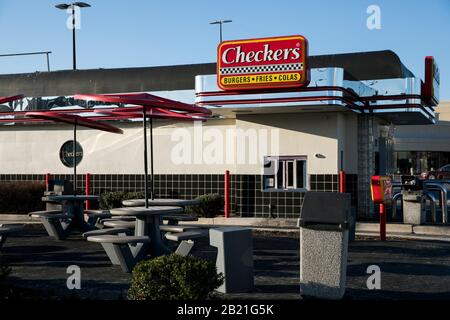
(147, 224)
(71, 218)
(171, 218)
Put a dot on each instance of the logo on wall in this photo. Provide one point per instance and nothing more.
(66, 153)
(263, 63)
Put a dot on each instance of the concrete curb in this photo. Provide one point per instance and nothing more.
(405, 236)
(390, 227)
(17, 218)
(249, 222)
(288, 225)
(432, 230)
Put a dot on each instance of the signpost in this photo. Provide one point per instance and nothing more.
(264, 63)
(381, 188)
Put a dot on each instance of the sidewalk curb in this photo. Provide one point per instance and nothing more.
(289, 225)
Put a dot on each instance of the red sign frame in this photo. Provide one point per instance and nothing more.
(263, 63)
(430, 87)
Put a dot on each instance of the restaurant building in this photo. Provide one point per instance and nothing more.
(277, 144)
(423, 148)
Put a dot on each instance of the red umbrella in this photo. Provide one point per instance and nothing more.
(75, 120)
(150, 106)
(11, 98)
(136, 112)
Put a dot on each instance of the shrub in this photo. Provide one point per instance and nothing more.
(21, 197)
(174, 277)
(210, 205)
(109, 200)
(4, 272)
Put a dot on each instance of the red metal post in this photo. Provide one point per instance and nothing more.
(88, 188)
(47, 181)
(227, 194)
(382, 222)
(342, 181)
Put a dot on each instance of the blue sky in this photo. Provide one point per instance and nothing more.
(136, 33)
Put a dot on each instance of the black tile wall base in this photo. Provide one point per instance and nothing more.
(247, 199)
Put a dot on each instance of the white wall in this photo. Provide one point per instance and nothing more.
(299, 134)
(213, 148)
(35, 149)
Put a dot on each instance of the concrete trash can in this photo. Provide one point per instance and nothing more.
(413, 212)
(234, 258)
(324, 236)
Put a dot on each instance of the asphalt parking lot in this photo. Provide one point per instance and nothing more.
(410, 269)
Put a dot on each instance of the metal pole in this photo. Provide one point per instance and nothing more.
(382, 222)
(151, 159)
(29, 53)
(144, 115)
(88, 189)
(48, 63)
(74, 156)
(220, 24)
(227, 194)
(47, 182)
(73, 38)
(342, 181)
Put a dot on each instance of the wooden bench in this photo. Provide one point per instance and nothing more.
(7, 229)
(121, 250)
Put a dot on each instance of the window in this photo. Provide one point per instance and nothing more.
(416, 162)
(285, 173)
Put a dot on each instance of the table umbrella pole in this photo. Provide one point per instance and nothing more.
(74, 150)
(152, 193)
(144, 115)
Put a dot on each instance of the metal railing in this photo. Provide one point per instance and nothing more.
(441, 186)
(435, 193)
(28, 54)
(432, 199)
(395, 198)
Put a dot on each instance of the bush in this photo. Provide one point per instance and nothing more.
(109, 200)
(174, 277)
(21, 197)
(210, 205)
(4, 272)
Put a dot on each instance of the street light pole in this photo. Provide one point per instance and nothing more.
(220, 22)
(65, 6)
(30, 53)
(74, 51)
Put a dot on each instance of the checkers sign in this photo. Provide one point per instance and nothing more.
(263, 63)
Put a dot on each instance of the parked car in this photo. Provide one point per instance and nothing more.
(442, 173)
